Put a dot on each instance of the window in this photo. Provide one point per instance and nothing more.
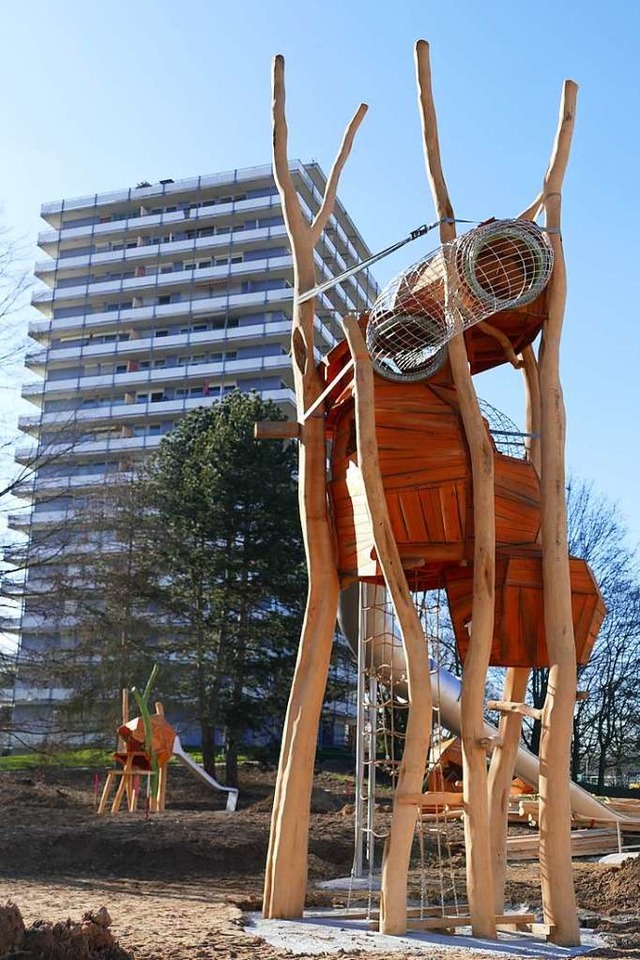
(157, 396)
(155, 429)
(196, 392)
(159, 363)
(181, 393)
(232, 355)
(142, 397)
(161, 333)
(144, 365)
(122, 367)
(163, 302)
(237, 259)
(199, 327)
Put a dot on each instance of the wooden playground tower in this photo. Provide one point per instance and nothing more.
(417, 485)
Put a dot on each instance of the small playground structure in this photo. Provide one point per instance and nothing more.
(419, 498)
(147, 744)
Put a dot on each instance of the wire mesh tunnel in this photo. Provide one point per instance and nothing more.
(499, 265)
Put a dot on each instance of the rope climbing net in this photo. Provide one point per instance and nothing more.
(382, 716)
(500, 265)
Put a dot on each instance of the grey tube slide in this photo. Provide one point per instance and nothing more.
(388, 657)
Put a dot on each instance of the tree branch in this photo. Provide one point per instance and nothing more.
(290, 204)
(328, 201)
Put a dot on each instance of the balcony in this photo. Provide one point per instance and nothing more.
(189, 185)
(241, 240)
(225, 303)
(164, 375)
(23, 521)
(144, 346)
(284, 397)
(160, 283)
(147, 223)
(37, 695)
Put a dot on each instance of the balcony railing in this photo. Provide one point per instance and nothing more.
(234, 240)
(141, 224)
(138, 286)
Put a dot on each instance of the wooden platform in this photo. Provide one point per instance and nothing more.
(519, 634)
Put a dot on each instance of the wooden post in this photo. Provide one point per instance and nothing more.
(393, 898)
(516, 679)
(476, 821)
(286, 869)
(500, 777)
(532, 396)
(555, 744)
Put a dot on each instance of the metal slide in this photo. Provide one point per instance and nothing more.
(232, 793)
(388, 655)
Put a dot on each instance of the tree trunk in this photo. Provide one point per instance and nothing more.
(231, 757)
(556, 871)
(476, 802)
(208, 734)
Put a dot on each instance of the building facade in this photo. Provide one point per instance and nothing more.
(155, 300)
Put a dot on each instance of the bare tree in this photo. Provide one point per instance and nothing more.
(605, 727)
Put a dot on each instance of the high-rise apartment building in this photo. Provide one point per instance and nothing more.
(160, 298)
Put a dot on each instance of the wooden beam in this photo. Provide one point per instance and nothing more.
(501, 772)
(453, 921)
(325, 393)
(276, 430)
(476, 821)
(504, 342)
(393, 899)
(433, 798)
(532, 399)
(510, 706)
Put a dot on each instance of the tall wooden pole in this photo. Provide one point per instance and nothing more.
(286, 869)
(557, 714)
(393, 899)
(476, 821)
(500, 778)
(515, 685)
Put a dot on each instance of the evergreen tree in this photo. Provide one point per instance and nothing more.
(223, 536)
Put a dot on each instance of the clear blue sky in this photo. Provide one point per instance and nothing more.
(100, 96)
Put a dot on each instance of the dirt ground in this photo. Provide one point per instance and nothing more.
(175, 885)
